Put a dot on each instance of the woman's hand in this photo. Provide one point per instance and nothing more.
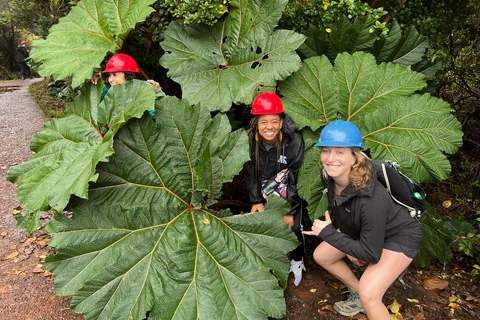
(257, 207)
(318, 225)
(156, 84)
(288, 219)
(355, 261)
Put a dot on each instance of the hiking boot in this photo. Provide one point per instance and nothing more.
(296, 267)
(349, 307)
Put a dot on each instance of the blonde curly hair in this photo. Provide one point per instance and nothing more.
(361, 175)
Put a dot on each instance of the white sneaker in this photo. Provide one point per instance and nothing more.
(296, 267)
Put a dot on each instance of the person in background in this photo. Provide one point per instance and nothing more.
(276, 151)
(373, 230)
(22, 55)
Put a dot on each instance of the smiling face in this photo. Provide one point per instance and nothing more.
(116, 78)
(269, 126)
(338, 162)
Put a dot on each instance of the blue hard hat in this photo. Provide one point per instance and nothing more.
(340, 134)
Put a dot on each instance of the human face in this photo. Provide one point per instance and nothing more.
(269, 126)
(116, 78)
(338, 162)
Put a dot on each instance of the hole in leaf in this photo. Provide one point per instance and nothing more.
(169, 52)
(222, 66)
(265, 57)
(214, 52)
(255, 64)
(259, 50)
(224, 39)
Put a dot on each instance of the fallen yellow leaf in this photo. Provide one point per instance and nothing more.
(454, 305)
(394, 307)
(39, 265)
(413, 300)
(43, 256)
(313, 290)
(329, 307)
(47, 273)
(17, 210)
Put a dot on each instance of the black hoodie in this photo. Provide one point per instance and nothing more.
(367, 219)
(292, 146)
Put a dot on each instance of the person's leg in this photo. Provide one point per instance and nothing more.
(377, 278)
(22, 69)
(296, 255)
(297, 228)
(331, 259)
(28, 70)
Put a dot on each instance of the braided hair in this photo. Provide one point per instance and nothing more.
(253, 136)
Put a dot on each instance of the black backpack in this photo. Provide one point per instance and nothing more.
(400, 187)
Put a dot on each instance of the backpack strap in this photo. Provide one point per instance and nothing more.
(412, 211)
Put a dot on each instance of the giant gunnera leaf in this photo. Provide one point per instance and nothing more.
(396, 123)
(145, 240)
(406, 48)
(67, 150)
(225, 63)
(81, 40)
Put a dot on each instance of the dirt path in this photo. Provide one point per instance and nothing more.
(24, 295)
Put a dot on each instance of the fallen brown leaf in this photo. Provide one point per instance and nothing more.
(11, 255)
(14, 247)
(43, 243)
(29, 241)
(4, 233)
(38, 270)
(47, 273)
(435, 284)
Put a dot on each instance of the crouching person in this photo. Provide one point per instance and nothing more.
(372, 229)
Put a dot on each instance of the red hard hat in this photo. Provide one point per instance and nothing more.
(121, 63)
(267, 103)
(23, 42)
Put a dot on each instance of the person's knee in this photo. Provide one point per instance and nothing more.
(321, 257)
(368, 295)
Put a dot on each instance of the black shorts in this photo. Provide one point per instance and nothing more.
(393, 246)
(412, 239)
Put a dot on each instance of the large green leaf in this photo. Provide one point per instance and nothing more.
(412, 129)
(229, 61)
(80, 41)
(67, 150)
(140, 242)
(407, 48)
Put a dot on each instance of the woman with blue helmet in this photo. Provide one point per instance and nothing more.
(373, 230)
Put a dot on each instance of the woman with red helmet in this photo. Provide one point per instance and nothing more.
(122, 68)
(276, 153)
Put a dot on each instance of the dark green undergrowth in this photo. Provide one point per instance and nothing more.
(51, 106)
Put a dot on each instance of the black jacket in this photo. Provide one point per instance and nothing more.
(367, 219)
(22, 54)
(292, 146)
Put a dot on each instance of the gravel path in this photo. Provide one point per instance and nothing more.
(24, 295)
